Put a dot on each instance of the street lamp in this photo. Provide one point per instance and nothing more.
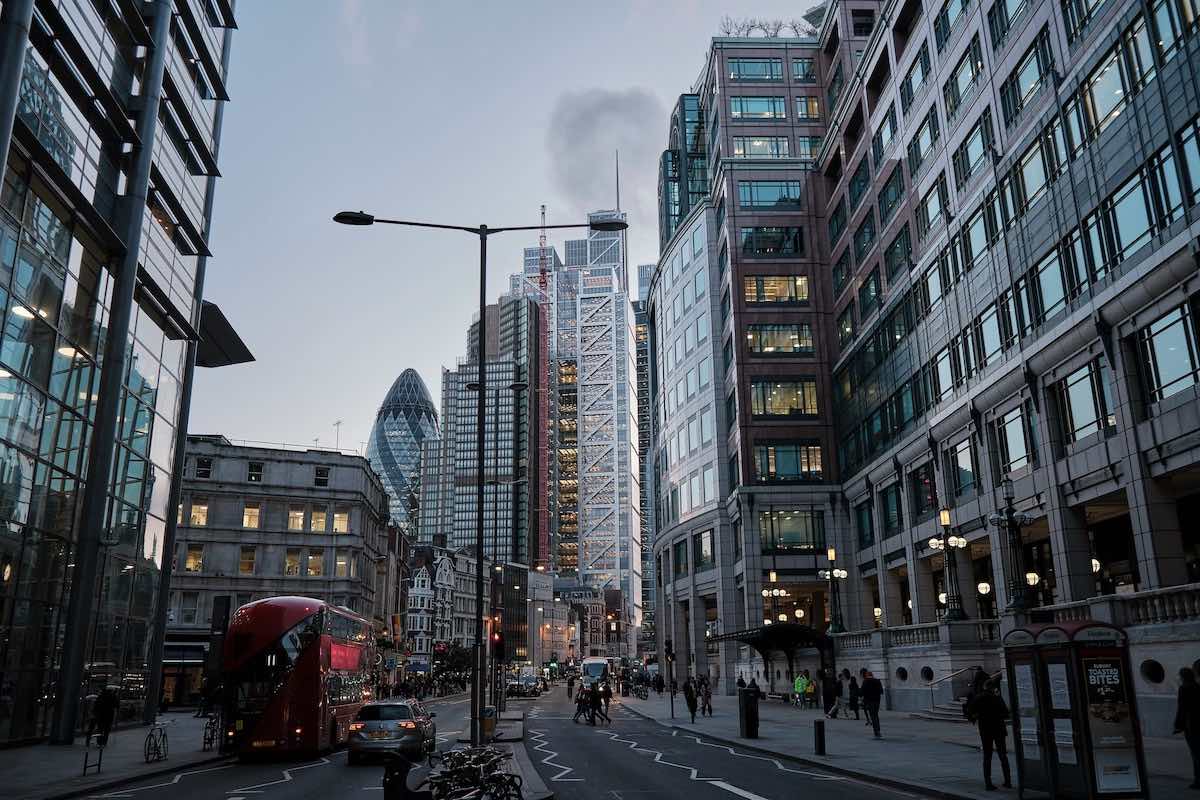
(948, 544)
(834, 575)
(1011, 521)
(362, 218)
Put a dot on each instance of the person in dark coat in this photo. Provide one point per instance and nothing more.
(103, 714)
(741, 682)
(582, 705)
(659, 683)
(1187, 718)
(830, 688)
(597, 699)
(689, 696)
(988, 711)
(754, 685)
(855, 694)
(872, 694)
(606, 694)
(571, 686)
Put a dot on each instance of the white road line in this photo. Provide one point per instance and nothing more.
(549, 759)
(693, 773)
(174, 780)
(738, 791)
(817, 775)
(287, 777)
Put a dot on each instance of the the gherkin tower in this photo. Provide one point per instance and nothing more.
(406, 418)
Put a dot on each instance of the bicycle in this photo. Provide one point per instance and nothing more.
(156, 744)
(212, 732)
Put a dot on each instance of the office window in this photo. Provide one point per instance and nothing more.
(792, 530)
(705, 370)
(884, 136)
(199, 514)
(709, 478)
(342, 564)
(868, 293)
(772, 242)
(291, 563)
(319, 517)
(775, 289)
(1078, 13)
(1052, 292)
(864, 237)
(315, 563)
(321, 476)
(757, 108)
(295, 518)
(864, 525)
(1031, 169)
(755, 69)
(924, 491)
(962, 468)
(1130, 217)
(808, 108)
(891, 194)
(1026, 78)
(943, 375)
(1168, 349)
(947, 20)
(891, 509)
(1012, 441)
(250, 515)
(914, 79)
(970, 155)
(204, 468)
(246, 561)
(845, 326)
(787, 462)
(974, 239)
(194, 560)
(1189, 142)
(783, 397)
(963, 78)
(771, 195)
(679, 559)
(782, 338)
(807, 146)
(189, 608)
(841, 272)
(1085, 401)
(862, 22)
(932, 207)
(1175, 19)
(834, 91)
(990, 338)
(703, 552)
(860, 182)
(803, 71)
(898, 255)
(1001, 17)
(923, 141)
(837, 221)
(254, 472)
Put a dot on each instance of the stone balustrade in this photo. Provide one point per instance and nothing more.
(1172, 605)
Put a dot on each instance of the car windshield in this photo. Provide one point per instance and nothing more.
(384, 713)
(595, 669)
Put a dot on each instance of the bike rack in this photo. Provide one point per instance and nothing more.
(88, 764)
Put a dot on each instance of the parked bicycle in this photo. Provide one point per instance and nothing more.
(475, 773)
(212, 732)
(156, 744)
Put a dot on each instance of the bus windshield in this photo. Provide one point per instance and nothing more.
(595, 669)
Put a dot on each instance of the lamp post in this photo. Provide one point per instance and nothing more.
(948, 544)
(361, 218)
(1012, 521)
(834, 575)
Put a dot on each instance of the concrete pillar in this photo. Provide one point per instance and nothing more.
(1157, 534)
(1071, 550)
(890, 598)
(15, 18)
(920, 583)
(966, 582)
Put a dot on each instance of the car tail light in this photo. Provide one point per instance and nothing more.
(357, 726)
(408, 724)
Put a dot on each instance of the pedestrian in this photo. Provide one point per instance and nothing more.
(571, 686)
(810, 690)
(987, 710)
(705, 698)
(606, 694)
(854, 696)
(872, 694)
(659, 684)
(582, 704)
(597, 704)
(1187, 718)
(798, 688)
(103, 713)
(689, 696)
(754, 686)
(830, 689)
(741, 682)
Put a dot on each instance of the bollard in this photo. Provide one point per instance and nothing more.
(819, 736)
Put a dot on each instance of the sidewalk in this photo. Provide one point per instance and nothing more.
(43, 771)
(942, 758)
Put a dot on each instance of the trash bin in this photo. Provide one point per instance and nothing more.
(747, 713)
(487, 723)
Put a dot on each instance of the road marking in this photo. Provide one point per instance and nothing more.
(693, 773)
(549, 759)
(817, 775)
(729, 787)
(174, 780)
(287, 777)
(372, 788)
(237, 798)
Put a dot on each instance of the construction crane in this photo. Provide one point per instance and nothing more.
(543, 477)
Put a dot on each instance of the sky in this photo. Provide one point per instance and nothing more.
(451, 112)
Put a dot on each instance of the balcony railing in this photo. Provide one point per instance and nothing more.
(1151, 607)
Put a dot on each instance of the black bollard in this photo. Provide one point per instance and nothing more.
(819, 736)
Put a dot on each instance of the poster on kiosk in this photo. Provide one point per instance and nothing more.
(1074, 711)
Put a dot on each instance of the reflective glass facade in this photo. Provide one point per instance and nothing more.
(406, 419)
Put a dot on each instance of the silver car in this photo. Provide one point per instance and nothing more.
(392, 726)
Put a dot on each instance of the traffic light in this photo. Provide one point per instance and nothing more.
(498, 645)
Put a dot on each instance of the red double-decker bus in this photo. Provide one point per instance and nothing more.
(296, 670)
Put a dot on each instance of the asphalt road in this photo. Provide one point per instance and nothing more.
(635, 759)
(326, 777)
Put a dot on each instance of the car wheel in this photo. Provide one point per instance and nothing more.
(351, 758)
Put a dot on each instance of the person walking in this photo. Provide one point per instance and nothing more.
(987, 710)
(1187, 718)
(798, 687)
(872, 694)
(830, 688)
(741, 682)
(810, 690)
(606, 694)
(855, 694)
(103, 713)
(597, 704)
(571, 686)
(582, 704)
(705, 698)
(689, 696)
(659, 683)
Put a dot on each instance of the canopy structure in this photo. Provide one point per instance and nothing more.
(782, 637)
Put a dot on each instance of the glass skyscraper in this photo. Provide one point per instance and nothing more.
(406, 419)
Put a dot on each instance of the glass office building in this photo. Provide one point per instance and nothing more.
(406, 420)
(111, 149)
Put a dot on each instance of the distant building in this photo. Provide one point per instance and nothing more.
(259, 522)
(406, 420)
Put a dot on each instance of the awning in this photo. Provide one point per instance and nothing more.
(220, 345)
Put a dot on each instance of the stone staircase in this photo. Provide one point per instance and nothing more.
(943, 712)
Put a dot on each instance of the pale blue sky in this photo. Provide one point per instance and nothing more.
(450, 112)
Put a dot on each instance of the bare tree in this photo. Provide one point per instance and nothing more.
(800, 27)
(729, 26)
(771, 27)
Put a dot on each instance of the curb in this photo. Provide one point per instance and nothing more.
(116, 783)
(922, 789)
(532, 785)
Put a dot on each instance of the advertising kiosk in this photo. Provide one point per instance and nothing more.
(1074, 713)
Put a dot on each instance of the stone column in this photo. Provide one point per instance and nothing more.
(966, 582)
(920, 583)
(1070, 549)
